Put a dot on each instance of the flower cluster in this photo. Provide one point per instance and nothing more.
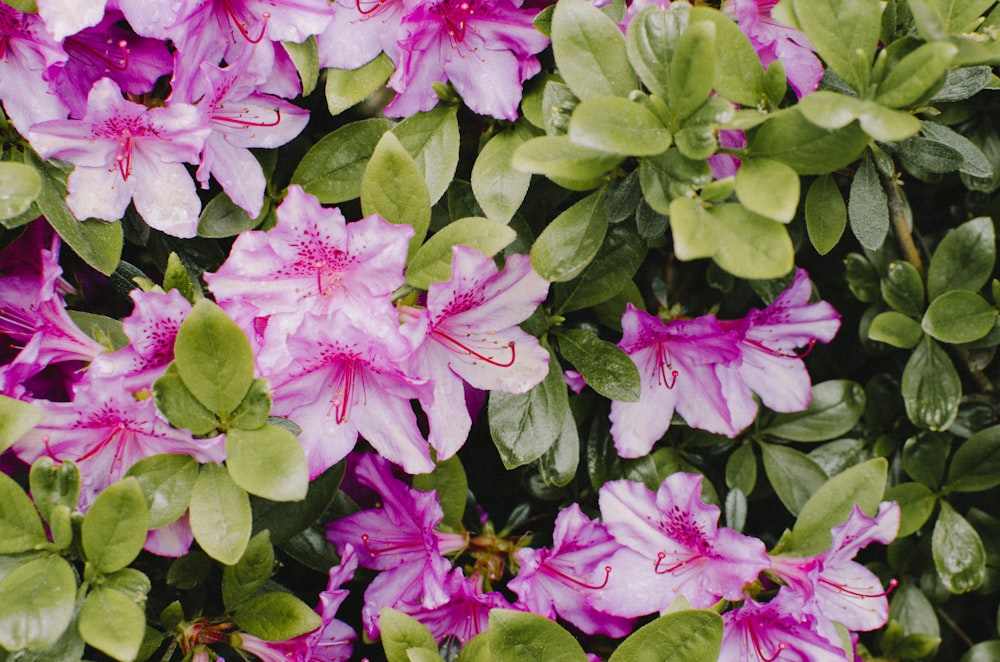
(707, 370)
(648, 551)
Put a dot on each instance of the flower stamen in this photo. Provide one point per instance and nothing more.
(578, 582)
(471, 352)
(858, 592)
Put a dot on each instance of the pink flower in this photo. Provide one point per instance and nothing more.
(486, 48)
(126, 152)
(769, 338)
(472, 335)
(28, 56)
(673, 546)
(685, 365)
(361, 29)
(568, 579)
(105, 430)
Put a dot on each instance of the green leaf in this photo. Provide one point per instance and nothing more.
(964, 259)
(27, 6)
(681, 636)
(423, 655)
(862, 485)
(255, 408)
(741, 469)
(738, 77)
(925, 456)
(568, 244)
(276, 616)
(305, 56)
(556, 156)
(516, 636)
(975, 467)
(958, 552)
(895, 329)
(787, 136)
(432, 262)
(39, 599)
(608, 273)
(749, 245)
(220, 515)
(268, 462)
(606, 369)
(346, 88)
(332, 169)
(180, 406)
(559, 463)
(617, 125)
(166, 482)
(287, 519)
(984, 651)
(974, 162)
(769, 188)
(53, 485)
(649, 43)
(931, 387)
(692, 69)
(114, 529)
(449, 481)
(498, 186)
(911, 608)
(590, 51)
(394, 188)
(903, 289)
(20, 528)
(221, 217)
(867, 206)
(916, 503)
(401, 632)
(524, 426)
(105, 330)
(959, 316)
(432, 139)
(16, 419)
(915, 76)
(242, 579)
(97, 242)
(792, 474)
(671, 175)
(829, 109)
(835, 408)
(113, 623)
(845, 33)
(20, 184)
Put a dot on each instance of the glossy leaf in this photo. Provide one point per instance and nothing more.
(741, 469)
(220, 515)
(650, 40)
(958, 552)
(113, 623)
(558, 465)
(221, 217)
(964, 259)
(517, 635)
(332, 168)
(166, 482)
(916, 503)
(619, 126)
(590, 51)
(738, 77)
(242, 579)
(903, 289)
(432, 262)
(346, 88)
(826, 214)
(400, 633)
(500, 187)
(749, 245)
(959, 316)
(53, 485)
(925, 457)
(452, 486)
(568, 244)
(39, 598)
(305, 56)
(975, 467)
(915, 76)
(931, 387)
(287, 519)
(276, 616)
(612, 268)
(607, 369)
(20, 528)
(680, 636)
(114, 529)
(895, 329)
(432, 139)
(835, 408)
(792, 474)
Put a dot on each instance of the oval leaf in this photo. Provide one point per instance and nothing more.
(621, 126)
(332, 168)
(114, 529)
(959, 316)
(348, 87)
(166, 482)
(276, 617)
(571, 240)
(432, 263)
(20, 184)
(958, 551)
(268, 462)
(931, 387)
(606, 369)
(835, 408)
(792, 474)
(975, 466)
(681, 636)
(39, 598)
(113, 623)
(499, 187)
(20, 527)
(221, 519)
(516, 636)
(590, 51)
(768, 188)
(964, 258)
(393, 187)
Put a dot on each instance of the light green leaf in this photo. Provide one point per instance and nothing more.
(401, 632)
(516, 636)
(826, 214)
(931, 387)
(958, 552)
(768, 188)
(964, 259)
(789, 137)
(113, 623)
(268, 462)
(305, 56)
(39, 598)
(885, 124)
(792, 474)
(692, 69)
(836, 406)
(693, 230)
(213, 358)
(432, 139)
(650, 40)
(959, 316)
(916, 75)
(590, 51)
(498, 186)
(606, 369)
(751, 246)
(255, 408)
(16, 419)
(680, 636)
(556, 156)
(895, 329)
(432, 262)
(738, 77)
(829, 109)
(20, 184)
(20, 527)
(618, 125)
(862, 485)
(568, 244)
(276, 616)
(180, 406)
(332, 168)
(845, 33)
(449, 481)
(346, 88)
(394, 188)
(53, 485)
(220, 515)
(114, 529)
(558, 465)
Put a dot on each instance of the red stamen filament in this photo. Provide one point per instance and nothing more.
(244, 27)
(482, 357)
(659, 559)
(375, 7)
(247, 123)
(840, 587)
(124, 156)
(342, 398)
(779, 353)
(82, 50)
(366, 541)
(553, 569)
(756, 645)
(662, 363)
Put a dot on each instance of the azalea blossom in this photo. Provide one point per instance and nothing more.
(690, 366)
(486, 48)
(673, 547)
(471, 334)
(29, 57)
(568, 579)
(373, 26)
(124, 151)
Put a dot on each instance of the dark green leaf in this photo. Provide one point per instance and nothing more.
(835, 408)
(916, 503)
(222, 217)
(612, 268)
(975, 467)
(332, 168)
(792, 474)
(558, 465)
(964, 258)
(741, 469)
(568, 244)
(974, 162)
(931, 387)
(925, 456)
(903, 289)
(867, 206)
(984, 651)
(959, 316)
(452, 486)
(242, 579)
(285, 519)
(606, 369)
(958, 552)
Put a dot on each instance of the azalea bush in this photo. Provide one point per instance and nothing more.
(493, 330)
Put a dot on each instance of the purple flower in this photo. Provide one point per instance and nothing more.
(768, 339)
(672, 547)
(774, 41)
(486, 48)
(28, 56)
(685, 365)
(472, 335)
(568, 579)
(361, 29)
(123, 152)
(780, 631)
(105, 430)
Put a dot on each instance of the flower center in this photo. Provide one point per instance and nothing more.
(92, 53)
(236, 17)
